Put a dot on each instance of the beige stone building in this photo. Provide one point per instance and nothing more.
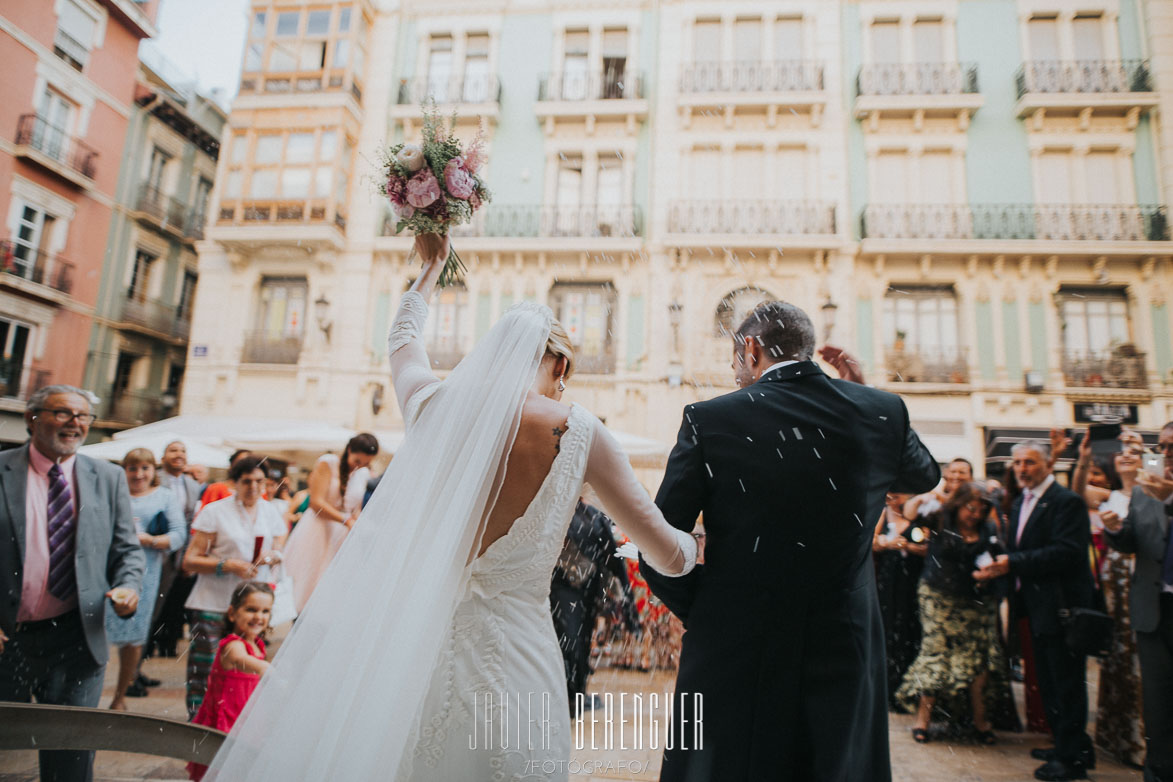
(968, 194)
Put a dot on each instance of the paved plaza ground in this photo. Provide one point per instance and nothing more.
(941, 761)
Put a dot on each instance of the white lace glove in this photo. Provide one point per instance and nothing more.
(409, 322)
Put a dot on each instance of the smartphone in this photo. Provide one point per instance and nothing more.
(1105, 438)
(983, 559)
(1154, 464)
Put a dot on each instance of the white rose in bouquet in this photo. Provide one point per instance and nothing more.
(411, 157)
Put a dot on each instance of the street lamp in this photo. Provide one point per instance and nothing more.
(322, 311)
(675, 370)
(829, 309)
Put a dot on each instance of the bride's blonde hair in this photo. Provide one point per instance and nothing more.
(558, 346)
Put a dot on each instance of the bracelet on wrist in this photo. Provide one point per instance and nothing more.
(220, 567)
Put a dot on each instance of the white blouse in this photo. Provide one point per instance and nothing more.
(236, 536)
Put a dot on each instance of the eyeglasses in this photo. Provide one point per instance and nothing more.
(1166, 447)
(62, 416)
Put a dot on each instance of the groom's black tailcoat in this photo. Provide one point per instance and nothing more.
(784, 639)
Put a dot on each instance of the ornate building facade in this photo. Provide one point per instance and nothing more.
(970, 194)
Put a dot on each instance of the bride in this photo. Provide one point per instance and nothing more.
(427, 651)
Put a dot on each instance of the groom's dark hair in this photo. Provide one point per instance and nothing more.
(783, 330)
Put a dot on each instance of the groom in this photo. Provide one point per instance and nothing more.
(784, 639)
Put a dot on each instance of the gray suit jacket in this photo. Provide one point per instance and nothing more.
(107, 553)
(191, 492)
(1146, 534)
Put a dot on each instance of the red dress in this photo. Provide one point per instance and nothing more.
(227, 693)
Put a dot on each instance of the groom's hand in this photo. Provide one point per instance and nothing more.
(846, 364)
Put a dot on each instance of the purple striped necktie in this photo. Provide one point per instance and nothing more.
(62, 536)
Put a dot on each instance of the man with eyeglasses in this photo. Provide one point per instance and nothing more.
(67, 545)
(1146, 533)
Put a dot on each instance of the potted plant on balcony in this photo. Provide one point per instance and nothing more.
(899, 363)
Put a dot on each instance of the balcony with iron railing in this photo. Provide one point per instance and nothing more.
(609, 94)
(1122, 367)
(302, 222)
(264, 347)
(52, 148)
(933, 87)
(1084, 84)
(300, 82)
(135, 407)
(751, 77)
(910, 364)
(24, 262)
(158, 317)
(160, 210)
(792, 218)
(1032, 222)
(527, 221)
(468, 89)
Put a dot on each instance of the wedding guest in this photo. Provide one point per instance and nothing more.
(960, 648)
(899, 550)
(199, 474)
(52, 630)
(158, 520)
(585, 567)
(174, 584)
(957, 472)
(221, 489)
(337, 485)
(1048, 566)
(298, 505)
(240, 661)
(1118, 725)
(1145, 531)
(232, 540)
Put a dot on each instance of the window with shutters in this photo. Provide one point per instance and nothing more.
(77, 27)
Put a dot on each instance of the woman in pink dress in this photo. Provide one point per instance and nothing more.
(337, 485)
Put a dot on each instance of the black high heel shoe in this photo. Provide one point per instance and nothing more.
(920, 735)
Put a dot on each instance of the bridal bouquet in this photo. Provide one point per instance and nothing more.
(434, 185)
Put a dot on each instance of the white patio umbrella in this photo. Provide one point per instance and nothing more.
(155, 442)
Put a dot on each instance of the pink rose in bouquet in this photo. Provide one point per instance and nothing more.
(458, 180)
(422, 189)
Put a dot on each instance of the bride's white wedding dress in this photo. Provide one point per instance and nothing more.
(411, 657)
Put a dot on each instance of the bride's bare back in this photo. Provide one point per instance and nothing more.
(543, 422)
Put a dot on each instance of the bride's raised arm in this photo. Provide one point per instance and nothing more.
(670, 551)
(410, 368)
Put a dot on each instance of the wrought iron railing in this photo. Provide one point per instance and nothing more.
(926, 365)
(157, 316)
(1084, 76)
(608, 85)
(751, 217)
(507, 220)
(917, 78)
(1052, 222)
(778, 76)
(135, 407)
(167, 212)
(262, 347)
(195, 225)
(37, 133)
(483, 88)
(40, 267)
(1109, 369)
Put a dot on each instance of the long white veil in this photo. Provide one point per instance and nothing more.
(347, 685)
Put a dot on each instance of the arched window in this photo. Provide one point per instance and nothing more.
(736, 307)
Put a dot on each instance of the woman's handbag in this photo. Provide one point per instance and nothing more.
(158, 524)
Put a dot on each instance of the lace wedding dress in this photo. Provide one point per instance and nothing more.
(412, 656)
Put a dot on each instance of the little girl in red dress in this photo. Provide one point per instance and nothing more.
(239, 664)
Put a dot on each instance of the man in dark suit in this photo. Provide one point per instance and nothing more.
(66, 538)
(784, 641)
(1048, 542)
(1146, 533)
